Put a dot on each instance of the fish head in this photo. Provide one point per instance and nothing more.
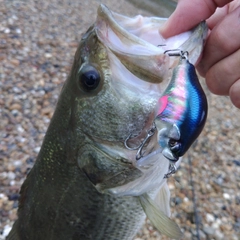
(119, 73)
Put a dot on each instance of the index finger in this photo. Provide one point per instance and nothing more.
(188, 14)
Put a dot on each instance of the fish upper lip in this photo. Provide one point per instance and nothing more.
(141, 35)
(143, 59)
(106, 18)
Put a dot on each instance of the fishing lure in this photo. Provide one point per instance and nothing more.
(182, 110)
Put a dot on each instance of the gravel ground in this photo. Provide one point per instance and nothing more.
(38, 40)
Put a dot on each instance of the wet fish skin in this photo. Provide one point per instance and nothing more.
(57, 199)
(85, 184)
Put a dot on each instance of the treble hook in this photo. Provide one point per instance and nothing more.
(139, 154)
(172, 169)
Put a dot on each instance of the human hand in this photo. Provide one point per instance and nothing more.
(220, 63)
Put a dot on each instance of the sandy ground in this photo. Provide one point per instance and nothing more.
(38, 40)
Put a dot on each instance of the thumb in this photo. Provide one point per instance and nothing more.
(188, 14)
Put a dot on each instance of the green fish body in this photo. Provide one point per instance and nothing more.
(85, 183)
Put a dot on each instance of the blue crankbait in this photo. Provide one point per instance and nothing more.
(182, 110)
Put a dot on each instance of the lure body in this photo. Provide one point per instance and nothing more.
(182, 112)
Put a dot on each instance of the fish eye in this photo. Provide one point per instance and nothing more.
(89, 78)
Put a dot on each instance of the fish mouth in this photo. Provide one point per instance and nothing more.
(138, 63)
(136, 52)
(123, 37)
(139, 46)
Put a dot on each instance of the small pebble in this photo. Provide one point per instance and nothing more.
(6, 230)
(226, 196)
(236, 162)
(209, 230)
(210, 217)
(7, 30)
(13, 197)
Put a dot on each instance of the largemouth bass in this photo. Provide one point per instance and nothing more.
(87, 182)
